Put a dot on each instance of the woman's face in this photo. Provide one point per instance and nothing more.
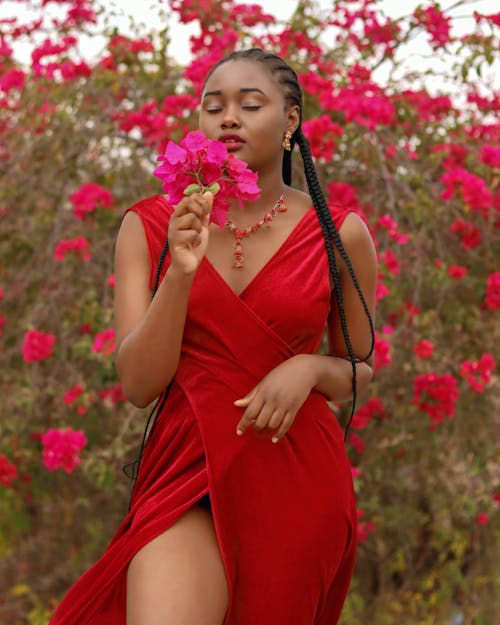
(243, 106)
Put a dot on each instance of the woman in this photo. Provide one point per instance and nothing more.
(243, 512)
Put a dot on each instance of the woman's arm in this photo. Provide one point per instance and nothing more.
(148, 333)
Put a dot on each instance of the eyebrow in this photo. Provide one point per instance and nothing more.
(244, 90)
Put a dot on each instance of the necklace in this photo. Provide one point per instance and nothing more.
(239, 233)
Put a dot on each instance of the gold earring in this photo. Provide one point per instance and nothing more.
(286, 141)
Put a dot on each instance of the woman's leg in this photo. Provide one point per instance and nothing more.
(178, 578)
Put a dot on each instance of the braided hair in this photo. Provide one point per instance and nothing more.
(288, 80)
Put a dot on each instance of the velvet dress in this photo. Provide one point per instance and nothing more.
(285, 513)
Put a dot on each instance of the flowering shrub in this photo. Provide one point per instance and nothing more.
(79, 143)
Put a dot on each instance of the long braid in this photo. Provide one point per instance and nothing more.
(330, 233)
(287, 78)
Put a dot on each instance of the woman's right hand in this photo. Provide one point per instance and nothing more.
(188, 232)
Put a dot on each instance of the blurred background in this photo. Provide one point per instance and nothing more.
(401, 102)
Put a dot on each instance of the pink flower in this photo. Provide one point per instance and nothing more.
(383, 356)
(8, 471)
(37, 345)
(492, 297)
(79, 245)
(12, 79)
(387, 222)
(435, 23)
(423, 349)
(381, 290)
(364, 527)
(391, 262)
(197, 165)
(474, 191)
(470, 235)
(478, 373)
(60, 448)
(88, 197)
(357, 442)
(113, 393)
(490, 155)
(104, 342)
(111, 280)
(321, 133)
(457, 271)
(436, 395)
(72, 394)
(364, 415)
(482, 518)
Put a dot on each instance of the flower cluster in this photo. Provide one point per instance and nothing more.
(104, 342)
(382, 353)
(61, 447)
(113, 393)
(492, 297)
(197, 165)
(423, 349)
(436, 395)
(38, 345)
(79, 245)
(435, 23)
(321, 133)
(474, 190)
(74, 396)
(470, 235)
(365, 415)
(490, 155)
(88, 197)
(8, 471)
(478, 373)
(388, 223)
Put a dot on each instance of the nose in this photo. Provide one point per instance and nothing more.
(230, 119)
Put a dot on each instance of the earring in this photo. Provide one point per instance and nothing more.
(286, 141)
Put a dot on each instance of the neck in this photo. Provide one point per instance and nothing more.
(271, 186)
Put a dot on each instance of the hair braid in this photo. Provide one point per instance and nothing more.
(330, 233)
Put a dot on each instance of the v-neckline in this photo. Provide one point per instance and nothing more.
(265, 266)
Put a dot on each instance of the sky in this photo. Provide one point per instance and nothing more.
(415, 55)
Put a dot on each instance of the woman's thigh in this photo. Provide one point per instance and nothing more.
(178, 578)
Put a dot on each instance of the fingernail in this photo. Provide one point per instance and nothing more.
(275, 439)
(239, 432)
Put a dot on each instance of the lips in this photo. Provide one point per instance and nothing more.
(232, 142)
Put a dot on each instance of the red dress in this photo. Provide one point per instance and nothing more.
(284, 513)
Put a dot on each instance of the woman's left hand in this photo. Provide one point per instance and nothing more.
(275, 401)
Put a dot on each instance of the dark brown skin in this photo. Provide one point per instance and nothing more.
(149, 334)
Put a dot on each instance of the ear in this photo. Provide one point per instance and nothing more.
(293, 118)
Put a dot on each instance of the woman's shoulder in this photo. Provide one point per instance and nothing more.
(154, 208)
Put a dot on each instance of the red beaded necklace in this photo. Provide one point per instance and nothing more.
(279, 206)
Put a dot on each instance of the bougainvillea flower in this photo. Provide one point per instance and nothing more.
(88, 197)
(79, 245)
(61, 447)
(8, 471)
(492, 297)
(436, 395)
(478, 373)
(423, 349)
(199, 164)
(37, 345)
(104, 342)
